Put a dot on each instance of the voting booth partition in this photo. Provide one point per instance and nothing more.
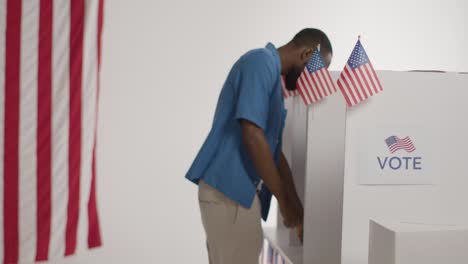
(399, 157)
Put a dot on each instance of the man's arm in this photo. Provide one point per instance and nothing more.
(260, 153)
(287, 179)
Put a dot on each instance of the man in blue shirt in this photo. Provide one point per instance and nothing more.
(241, 164)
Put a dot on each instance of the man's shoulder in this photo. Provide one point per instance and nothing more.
(259, 55)
(260, 61)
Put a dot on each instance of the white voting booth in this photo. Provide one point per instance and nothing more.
(400, 242)
(347, 175)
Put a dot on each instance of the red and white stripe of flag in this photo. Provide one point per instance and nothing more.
(261, 259)
(316, 86)
(359, 84)
(275, 258)
(287, 93)
(49, 85)
(404, 143)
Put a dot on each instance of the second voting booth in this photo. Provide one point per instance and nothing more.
(352, 182)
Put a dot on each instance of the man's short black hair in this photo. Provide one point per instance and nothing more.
(312, 36)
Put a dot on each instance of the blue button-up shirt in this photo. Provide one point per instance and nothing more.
(253, 92)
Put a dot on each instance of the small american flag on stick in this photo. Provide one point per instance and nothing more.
(315, 82)
(358, 81)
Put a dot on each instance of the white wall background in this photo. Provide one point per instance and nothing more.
(164, 64)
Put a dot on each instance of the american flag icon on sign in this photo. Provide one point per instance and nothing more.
(395, 143)
(358, 81)
(315, 82)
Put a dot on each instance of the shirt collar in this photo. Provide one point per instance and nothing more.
(275, 53)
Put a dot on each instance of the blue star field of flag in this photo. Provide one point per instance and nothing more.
(316, 62)
(358, 56)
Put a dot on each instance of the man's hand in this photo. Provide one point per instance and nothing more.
(292, 211)
(300, 232)
(293, 217)
(291, 207)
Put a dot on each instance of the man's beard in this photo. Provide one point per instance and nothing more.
(291, 78)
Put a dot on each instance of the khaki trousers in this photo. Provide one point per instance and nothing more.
(234, 233)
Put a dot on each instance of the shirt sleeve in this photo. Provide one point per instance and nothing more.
(254, 89)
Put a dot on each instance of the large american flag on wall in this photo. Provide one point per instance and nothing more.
(49, 84)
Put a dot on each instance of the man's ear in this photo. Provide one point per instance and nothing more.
(306, 54)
